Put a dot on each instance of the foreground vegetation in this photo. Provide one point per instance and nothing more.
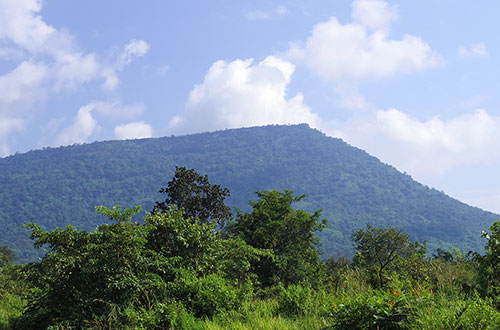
(190, 265)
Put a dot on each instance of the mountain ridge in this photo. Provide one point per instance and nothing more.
(60, 186)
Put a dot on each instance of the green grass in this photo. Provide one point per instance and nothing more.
(261, 315)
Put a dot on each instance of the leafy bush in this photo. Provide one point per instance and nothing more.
(379, 310)
(296, 300)
(204, 296)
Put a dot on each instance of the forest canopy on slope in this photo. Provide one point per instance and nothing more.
(56, 187)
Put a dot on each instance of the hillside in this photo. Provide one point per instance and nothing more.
(60, 186)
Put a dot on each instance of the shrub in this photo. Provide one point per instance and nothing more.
(204, 296)
(391, 309)
(458, 313)
(296, 300)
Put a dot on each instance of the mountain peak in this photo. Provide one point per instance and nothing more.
(60, 186)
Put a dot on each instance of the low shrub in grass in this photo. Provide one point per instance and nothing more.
(456, 313)
(295, 300)
(378, 309)
(204, 296)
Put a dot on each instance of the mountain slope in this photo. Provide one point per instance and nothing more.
(61, 186)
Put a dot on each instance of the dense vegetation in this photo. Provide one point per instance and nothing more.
(56, 187)
(260, 270)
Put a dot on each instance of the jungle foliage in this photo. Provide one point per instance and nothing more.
(261, 271)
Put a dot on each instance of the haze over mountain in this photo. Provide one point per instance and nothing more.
(60, 186)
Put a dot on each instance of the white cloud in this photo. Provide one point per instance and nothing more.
(81, 129)
(135, 130)
(363, 49)
(241, 93)
(48, 61)
(22, 86)
(474, 50)
(373, 14)
(135, 48)
(255, 15)
(426, 148)
(21, 25)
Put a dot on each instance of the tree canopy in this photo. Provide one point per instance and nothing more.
(196, 196)
(379, 248)
(290, 234)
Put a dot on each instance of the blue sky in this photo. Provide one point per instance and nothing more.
(414, 83)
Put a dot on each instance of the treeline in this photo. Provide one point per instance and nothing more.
(192, 265)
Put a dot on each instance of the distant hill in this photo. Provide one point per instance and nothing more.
(60, 186)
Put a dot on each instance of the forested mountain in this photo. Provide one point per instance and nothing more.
(60, 186)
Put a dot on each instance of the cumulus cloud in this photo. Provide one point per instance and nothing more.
(22, 86)
(474, 50)
(426, 148)
(21, 25)
(241, 93)
(134, 130)
(363, 48)
(85, 127)
(81, 129)
(48, 61)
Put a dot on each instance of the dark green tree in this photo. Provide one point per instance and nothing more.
(7, 256)
(443, 255)
(377, 249)
(196, 196)
(289, 234)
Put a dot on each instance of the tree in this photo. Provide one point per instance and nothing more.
(378, 248)
(88, 278)
(489, 269)
(195, 244)
(289, 234)
(196, 196)
(7, 256)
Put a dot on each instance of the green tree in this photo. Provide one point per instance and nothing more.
(198, 198)
(7, 256)
(289, 234)
(377, 248)
(87, 278)
(489, 264)
(236, 259)
(196, 245)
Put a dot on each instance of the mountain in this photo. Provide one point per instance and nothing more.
(60, 186)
